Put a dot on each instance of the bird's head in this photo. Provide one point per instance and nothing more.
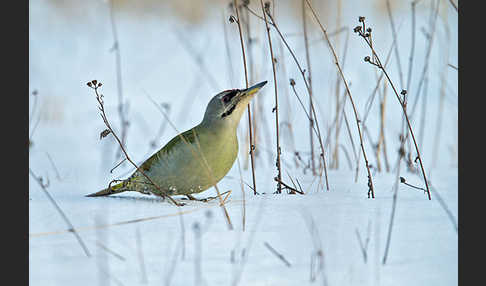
(227, 106)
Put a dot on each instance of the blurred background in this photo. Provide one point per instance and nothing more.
(176, 55)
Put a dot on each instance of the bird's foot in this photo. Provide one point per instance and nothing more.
(208, 199)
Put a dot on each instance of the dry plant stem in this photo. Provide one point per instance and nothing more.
(272, 23)
(309, 78)
(279, 167)
(404, 108)
(250, 129)
(394, 202)
(308, 88)
(105, 248)
(336, 61)
(453, 5)
(231, 75)
(116, 49)
(412, 49)
(278, 255)
(105, 120)
(53, 166)
(243, 217)
(59, 210)
(440, 112)
(445, 207)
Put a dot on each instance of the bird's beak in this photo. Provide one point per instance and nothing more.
(253, 89)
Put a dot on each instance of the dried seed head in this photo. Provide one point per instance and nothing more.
(357, 29)
(367, 59)
(292, 82)
(402, 180)
(94, 82)
(89, 84)
(104, 133)
(361, 19)
(404, 92)
(100, 84)
(232, 19)
(368, 30)
(267, 7)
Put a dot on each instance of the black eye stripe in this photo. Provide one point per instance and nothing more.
(229, 95)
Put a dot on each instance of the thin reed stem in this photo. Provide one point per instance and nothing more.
(250, 129)
(371, 191)
(403, 103)
(266, 11)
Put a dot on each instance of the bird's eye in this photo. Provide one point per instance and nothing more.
(227, 98)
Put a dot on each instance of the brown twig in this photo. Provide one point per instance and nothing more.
(371, 191)
(99, 97)
(302, 72)
(250, 129)
(403, 103)
(266, 10)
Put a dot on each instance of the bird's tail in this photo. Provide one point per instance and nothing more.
(118, 188)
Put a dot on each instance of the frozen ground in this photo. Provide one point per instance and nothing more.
(142, 240)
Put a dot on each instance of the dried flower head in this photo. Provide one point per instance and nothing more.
(367, 59)
(404, 92)
(292, 82)
(361, 19)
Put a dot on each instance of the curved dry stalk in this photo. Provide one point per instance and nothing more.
(370, 180)
(403, 103)
(95, 85)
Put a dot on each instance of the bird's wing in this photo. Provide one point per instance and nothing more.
(189, 138)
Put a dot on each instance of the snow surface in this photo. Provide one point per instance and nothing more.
(143, 240)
